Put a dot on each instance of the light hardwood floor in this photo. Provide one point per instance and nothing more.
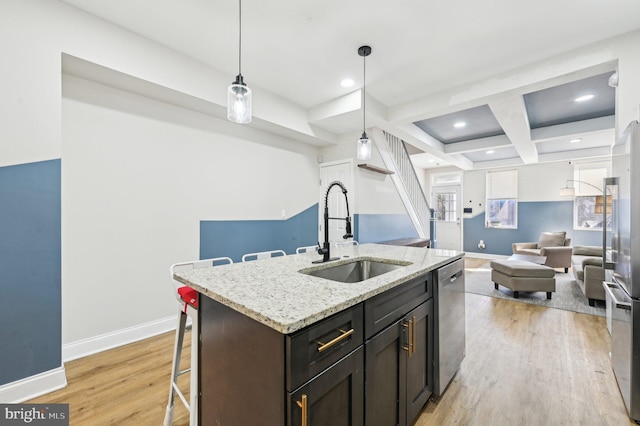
(525, 365)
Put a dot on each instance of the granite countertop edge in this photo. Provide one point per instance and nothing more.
(274, 292)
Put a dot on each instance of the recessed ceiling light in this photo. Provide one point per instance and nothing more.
(430, 160)
(584, 98)
(576, 140)
(491, 151)
(347, 82)
(459, 124)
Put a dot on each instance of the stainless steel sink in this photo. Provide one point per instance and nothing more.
(355, 271)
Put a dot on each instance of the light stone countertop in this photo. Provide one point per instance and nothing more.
(273, 292)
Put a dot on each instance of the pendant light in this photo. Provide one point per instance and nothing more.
(364, 144)
(239, 94)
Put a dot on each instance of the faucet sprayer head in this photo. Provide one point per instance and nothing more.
(348, 229)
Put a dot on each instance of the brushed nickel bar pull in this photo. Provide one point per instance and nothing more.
(324, 346)
(303, 405)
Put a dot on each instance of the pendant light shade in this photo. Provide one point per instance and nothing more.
(567, 192)
(239, 94)
(364, 143)
(364, 148)
(239, 102)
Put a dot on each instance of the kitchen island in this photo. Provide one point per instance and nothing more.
(280, 346)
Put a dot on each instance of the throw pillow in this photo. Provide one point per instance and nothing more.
(551, 239)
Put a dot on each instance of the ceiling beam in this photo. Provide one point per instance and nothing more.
(568, 129)
(601, 151)
(511, 114)
(478, 144)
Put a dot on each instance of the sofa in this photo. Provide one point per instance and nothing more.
(586, 262)
(554, 245)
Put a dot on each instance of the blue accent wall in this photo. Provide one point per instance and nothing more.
(30, 265)
(375, 228)
(533, 219)
(233, 238)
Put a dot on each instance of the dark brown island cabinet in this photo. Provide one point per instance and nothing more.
(371, 364)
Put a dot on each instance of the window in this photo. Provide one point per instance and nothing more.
(446, 206)
(445, 179)
(501, 208)
(588, 202)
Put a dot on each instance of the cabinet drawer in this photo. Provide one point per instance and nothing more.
(315, 348)
(386, 308)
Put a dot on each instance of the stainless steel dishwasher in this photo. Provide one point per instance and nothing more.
(449, 345)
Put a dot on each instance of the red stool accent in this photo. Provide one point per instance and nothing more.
(189, 296)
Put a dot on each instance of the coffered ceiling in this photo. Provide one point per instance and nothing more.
(430, 68)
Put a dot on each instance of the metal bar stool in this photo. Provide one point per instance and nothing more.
(263, 255)
(307, 249)
(188, 300)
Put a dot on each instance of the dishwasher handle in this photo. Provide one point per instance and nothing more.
(452, 280)
(448, 274)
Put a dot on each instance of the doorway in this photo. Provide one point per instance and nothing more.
(447, 205)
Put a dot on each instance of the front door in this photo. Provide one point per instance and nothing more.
(329, 172)
(446, 201)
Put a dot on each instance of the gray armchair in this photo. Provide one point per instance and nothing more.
(587, 268)
(554, 245)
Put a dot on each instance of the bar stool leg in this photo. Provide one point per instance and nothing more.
(175, 368)
(194, 388)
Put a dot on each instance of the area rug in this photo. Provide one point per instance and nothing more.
(567, 296)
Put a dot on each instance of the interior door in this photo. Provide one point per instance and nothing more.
(448, 207)
(329, 172)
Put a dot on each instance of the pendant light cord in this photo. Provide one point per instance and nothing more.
(364, 92)
(240, 37)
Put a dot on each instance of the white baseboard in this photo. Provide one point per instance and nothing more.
(52, 380)
(92, 345)
(33, 387)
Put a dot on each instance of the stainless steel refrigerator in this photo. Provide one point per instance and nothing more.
(621, 250)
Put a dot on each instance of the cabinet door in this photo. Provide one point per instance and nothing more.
(420, 359)
(385, 371)
(399, 369)
(333, 398)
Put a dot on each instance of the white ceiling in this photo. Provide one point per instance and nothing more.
(301, 50)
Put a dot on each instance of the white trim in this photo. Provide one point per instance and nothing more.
(92, 345)
(33, 387)
(457, 182)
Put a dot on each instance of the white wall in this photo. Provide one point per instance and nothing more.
(134, 191)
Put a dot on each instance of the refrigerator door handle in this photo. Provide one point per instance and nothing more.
(610, 185)
(618, 304)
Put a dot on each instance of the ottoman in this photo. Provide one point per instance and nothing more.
(519, 275)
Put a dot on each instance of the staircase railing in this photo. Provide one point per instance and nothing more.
(396, 158)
